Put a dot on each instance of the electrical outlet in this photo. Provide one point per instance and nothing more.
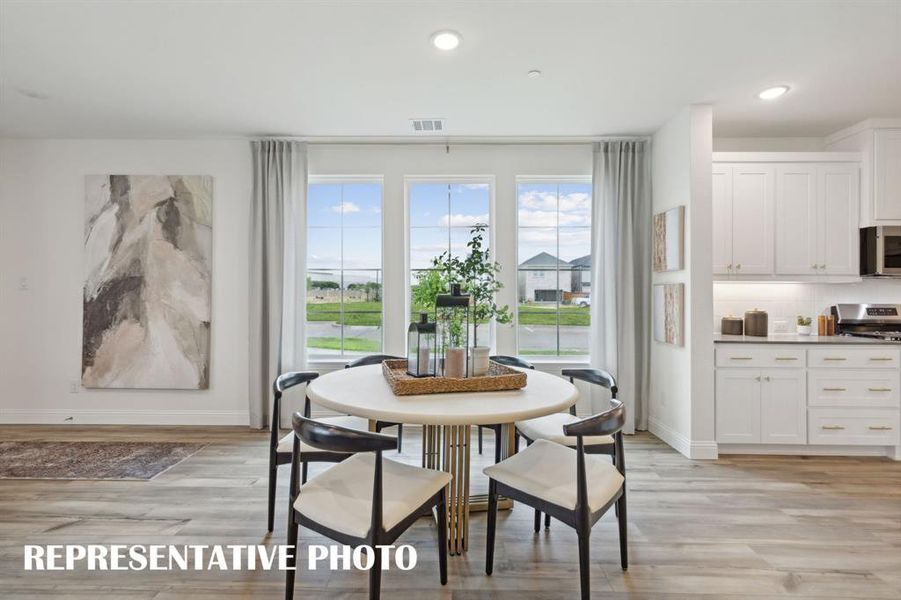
(781, 326)
(74, 387)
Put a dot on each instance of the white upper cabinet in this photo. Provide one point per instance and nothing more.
(887, 175)
(774, 217)
(743, 219)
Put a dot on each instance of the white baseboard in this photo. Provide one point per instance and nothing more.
(810, 450)
(10, 416)
(690, 449)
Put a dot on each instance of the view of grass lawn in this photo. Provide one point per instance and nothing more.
(355, 313)
(569, 315)
(351, 344)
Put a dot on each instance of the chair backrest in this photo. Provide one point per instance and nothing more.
(609, 422)
(512, 361)
(593, 376)
(334, 438)
(290, 379)
(372, 359)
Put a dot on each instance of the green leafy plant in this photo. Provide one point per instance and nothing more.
(804, 321)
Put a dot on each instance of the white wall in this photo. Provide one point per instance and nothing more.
(763, 144)
(41, 238)
(681, 403)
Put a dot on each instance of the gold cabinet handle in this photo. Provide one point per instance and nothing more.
(738, 266)
(741, 358)
(729, 267)
(767, 378)
(836, 358)
(880, 389)
(814, 267)
(786, 358)
(882, 358)
(758, 378)
(880, 428)
(822, 266)
(833, 427)
(835, 390)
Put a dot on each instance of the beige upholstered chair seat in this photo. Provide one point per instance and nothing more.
(547, 470)
(551, 428)
(340, 497)
(287, 443)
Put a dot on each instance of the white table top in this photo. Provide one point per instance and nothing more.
(363, 392)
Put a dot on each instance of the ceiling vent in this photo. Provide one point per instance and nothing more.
(428, 126)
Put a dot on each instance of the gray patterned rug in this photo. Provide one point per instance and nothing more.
(90, 460)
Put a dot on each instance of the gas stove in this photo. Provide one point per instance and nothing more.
(878, 321)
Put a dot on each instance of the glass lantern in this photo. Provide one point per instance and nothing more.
(452, 316)
(422, 351)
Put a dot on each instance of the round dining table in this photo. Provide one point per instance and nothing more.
(446, 421)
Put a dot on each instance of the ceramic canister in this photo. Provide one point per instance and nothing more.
(756, 323)
(732, 326)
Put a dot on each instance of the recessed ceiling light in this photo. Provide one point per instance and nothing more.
(534, 74)
(446, 40)
(773, 92)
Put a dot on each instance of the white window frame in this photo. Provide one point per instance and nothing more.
(347, 179)
(558, 180)
(410, 180)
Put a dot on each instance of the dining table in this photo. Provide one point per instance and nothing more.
(446, 421)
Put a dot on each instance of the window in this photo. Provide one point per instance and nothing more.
(554, 270)
(442, 216)
(344, 268)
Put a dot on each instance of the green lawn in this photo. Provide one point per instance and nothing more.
(354, 315)
(569, 315)
(351, 344)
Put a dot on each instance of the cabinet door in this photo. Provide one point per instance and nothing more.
(796, 219)
(887, 175)
(738, 406)
(839, 235)
(752, 219)
(722, 220)
(783, 407)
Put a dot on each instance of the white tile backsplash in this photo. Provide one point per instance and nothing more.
(785, 301)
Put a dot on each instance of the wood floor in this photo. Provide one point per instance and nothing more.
(740, 527)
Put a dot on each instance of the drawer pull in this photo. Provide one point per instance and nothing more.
(833, 427)
(880, 428)
(741, 358)
(835, 390)
(786, 358)
(880, 389)
(882, 358)
(836, 358)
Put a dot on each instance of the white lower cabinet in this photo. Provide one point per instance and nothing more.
(836, 395)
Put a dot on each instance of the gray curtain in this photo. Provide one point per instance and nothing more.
(276, 268)
(621, 234)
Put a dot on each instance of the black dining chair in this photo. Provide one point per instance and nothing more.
(280, 449)
(377, 359)
(550, 427)
(575, 487)
(510, 361)
(364, 500)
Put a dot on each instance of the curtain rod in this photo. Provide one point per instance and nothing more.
(458, 141)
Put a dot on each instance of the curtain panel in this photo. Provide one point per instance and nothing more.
(621, 234)
(277, 265)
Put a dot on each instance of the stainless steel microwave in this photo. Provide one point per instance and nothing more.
(880, 251)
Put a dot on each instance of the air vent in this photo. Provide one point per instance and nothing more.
(428, 125)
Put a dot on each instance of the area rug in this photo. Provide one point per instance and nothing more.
(90, 460)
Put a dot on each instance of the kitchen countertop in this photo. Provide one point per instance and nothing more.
(792, 338)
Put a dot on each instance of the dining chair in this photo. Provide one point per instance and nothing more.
(575, 487)
(510, 361)
(280, 449)
(377, 359)
(550, 427)
(364, 500)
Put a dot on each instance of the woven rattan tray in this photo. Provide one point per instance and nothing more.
(499, 377)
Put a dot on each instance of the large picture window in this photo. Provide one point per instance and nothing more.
(344, 268)
(554, 267)
(442, 215)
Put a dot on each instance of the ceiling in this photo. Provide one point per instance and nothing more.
(245, 68)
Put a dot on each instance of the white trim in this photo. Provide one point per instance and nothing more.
(811, 450)
(685, 446)
(886, 123)
(794, 157)
(82, 416)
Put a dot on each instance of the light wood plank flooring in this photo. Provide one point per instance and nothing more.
(740, 527)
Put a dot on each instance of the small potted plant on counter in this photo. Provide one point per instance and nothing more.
(804, 325)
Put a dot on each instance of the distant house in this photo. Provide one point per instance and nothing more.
(581, 274)
(538, 280)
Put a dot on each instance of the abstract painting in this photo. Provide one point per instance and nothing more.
(669, 227)
(669, 299)
(148, 259)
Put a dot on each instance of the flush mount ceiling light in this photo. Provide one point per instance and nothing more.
(533, 74)
(446, 39)
(773, 92)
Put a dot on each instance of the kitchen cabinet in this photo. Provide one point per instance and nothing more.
(816, 219)
(761, 406)
(743, 219)
(738, 406)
